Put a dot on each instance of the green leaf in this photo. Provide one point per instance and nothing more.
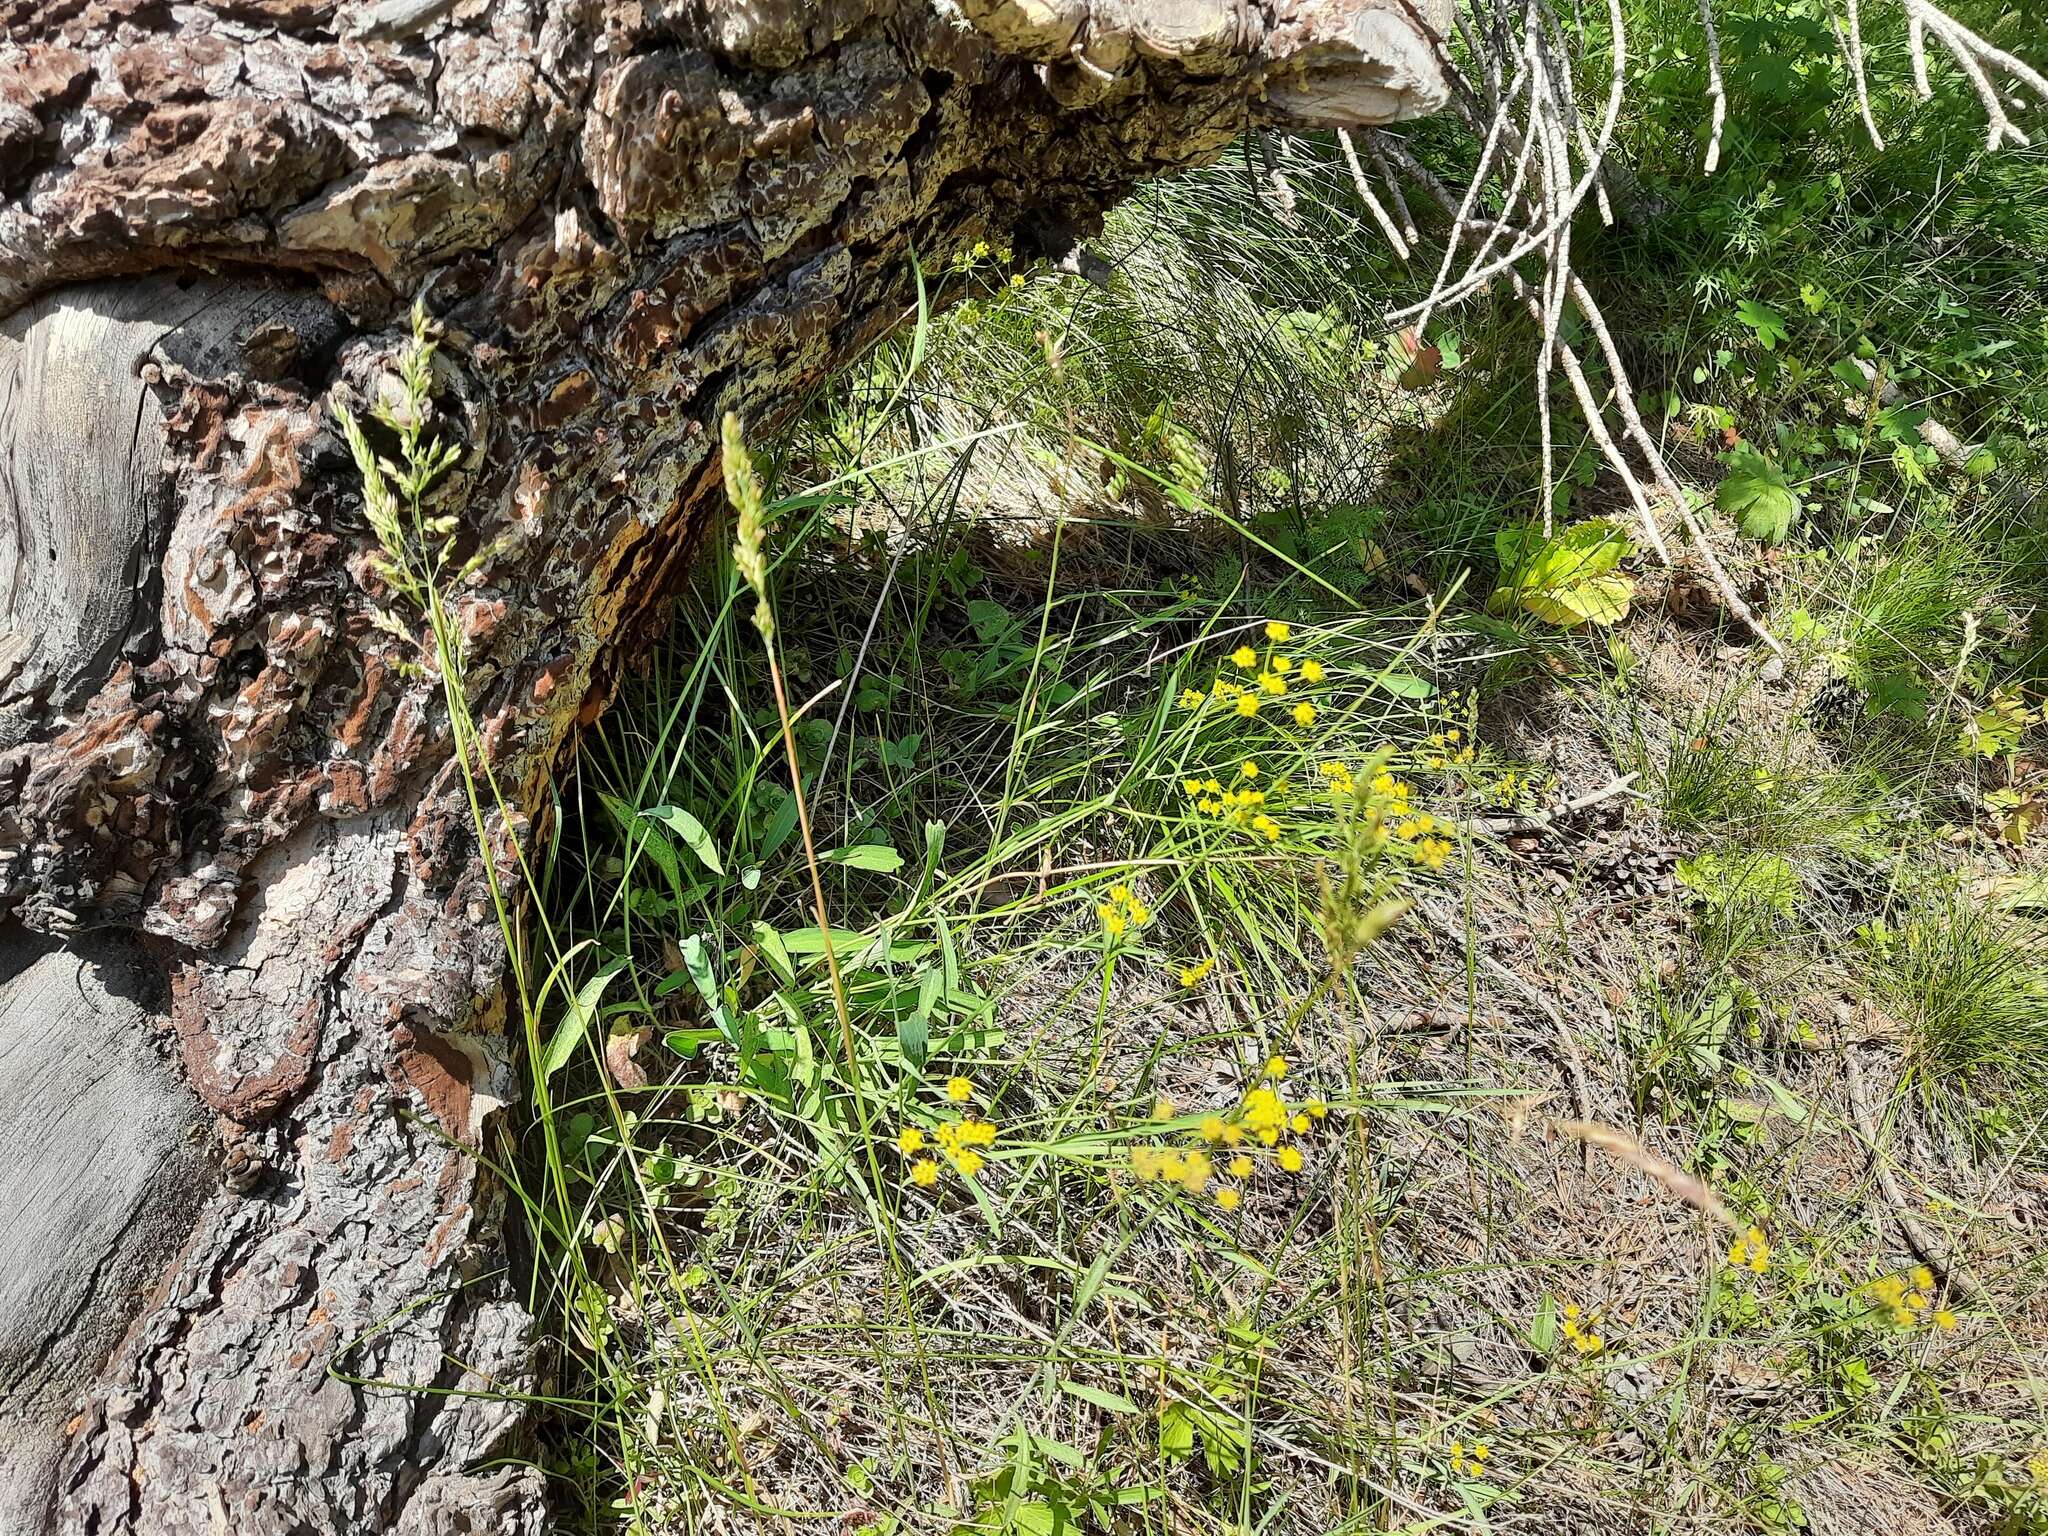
(1568, 580)
(879, 857)
(991, 620)
(775, 953)
(1849, 375)
(697, 961)
(1757, 495)
(691, 831)
(577, 1019)
(1725, 879)
(914, 1029)
(1176, 1432)
(1767, 324)
(1108, 1402)
(1405, 685)
(688, 1042)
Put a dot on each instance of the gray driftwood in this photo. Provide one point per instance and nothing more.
(627, 217)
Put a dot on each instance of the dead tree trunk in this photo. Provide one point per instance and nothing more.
(627, 217)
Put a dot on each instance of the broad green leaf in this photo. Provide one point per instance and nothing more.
(1405, 685)
(1596, 600)
(1568, 580)
(1767, 324)
(577, 1019)
(691, 831)
(1757, 495)
(879, 857)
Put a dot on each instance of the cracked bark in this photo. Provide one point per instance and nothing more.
(627, 217)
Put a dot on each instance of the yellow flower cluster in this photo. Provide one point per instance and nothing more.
(1122, 912)
(1191, 975)
(960, 1140)
(1581, 1331)
(1907, 1304)
(1422, 837)
(1442, 748)
(1271, 673)
(1262, 1116)
(1751, 1251)
(1241, 805)
(1469, 1460)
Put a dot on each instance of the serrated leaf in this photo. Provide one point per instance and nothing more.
(1767, 324)
(1757, 495)
(691, 831)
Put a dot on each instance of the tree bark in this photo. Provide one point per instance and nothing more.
(221, 734)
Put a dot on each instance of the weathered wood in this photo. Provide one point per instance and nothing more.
(102, 1170)
(225, 731)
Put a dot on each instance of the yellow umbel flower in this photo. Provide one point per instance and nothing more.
(1273, 683)
(1468, 1461)
(1304, 713)
(1751, 1251)
(959, 1089)
(1249, 768)
(1290, 1159)
(1264, 1114)
(1316, 1108)
(1281, 664)
(1244, 656)
(1240, 1167)
(910, 1139)
(1311, 671)
(1248, 705)
(1191, 698)
(969, 1162)
(1191, 975)
(1212, 1129)
(1276, 1067)
(924, 1173)
(1226, 1198)
(1277, 631)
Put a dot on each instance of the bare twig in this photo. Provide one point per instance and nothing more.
(1716, 91)
(1931, 1249)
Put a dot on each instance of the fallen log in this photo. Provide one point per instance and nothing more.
(267, 1291)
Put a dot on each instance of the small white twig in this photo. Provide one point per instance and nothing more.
(1716, 90)
(1365, 195)
(1851, 44)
